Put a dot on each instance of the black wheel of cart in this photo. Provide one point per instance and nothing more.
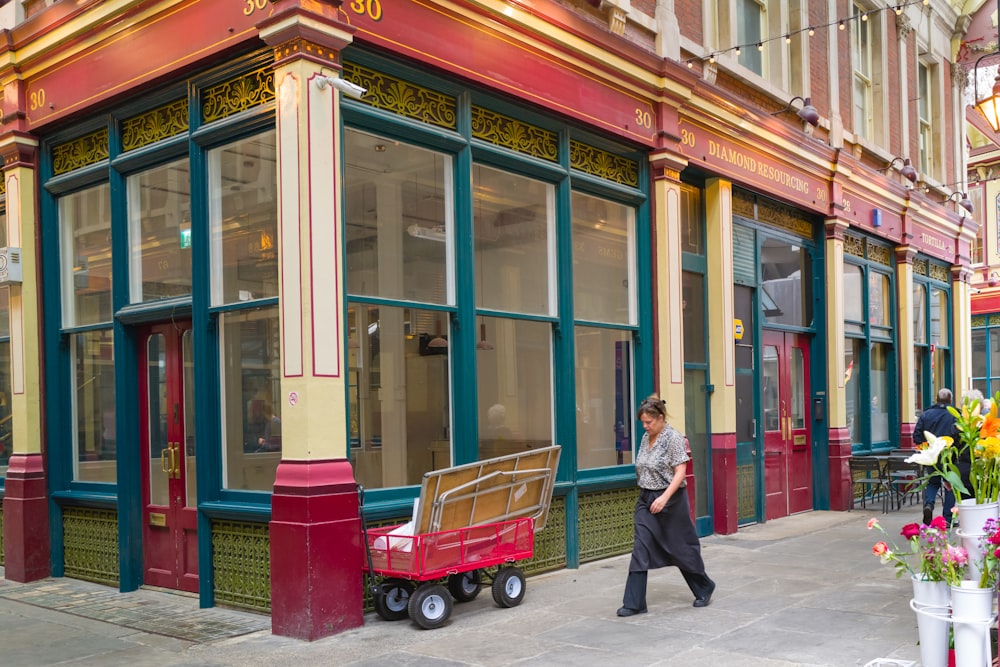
(430, 606)
(508, 587)
(392, 597)
(465, 586)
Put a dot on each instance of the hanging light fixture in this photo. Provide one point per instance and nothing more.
(438, 341)
(483, 344)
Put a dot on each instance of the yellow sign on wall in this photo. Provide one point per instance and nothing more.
(738, 329)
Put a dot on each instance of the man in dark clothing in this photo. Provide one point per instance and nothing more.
(937, 420)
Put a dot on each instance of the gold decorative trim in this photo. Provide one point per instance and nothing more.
(879, 254)
(404, 98)
(785, 217)
(244, 92)
(80, 152)
(995, 318)
(603, 164)
(743, 204)
(854, 245)
(305, 47)
(920, 267)
(155, 125)
(938, 272)
(514, 134)
(980, 320)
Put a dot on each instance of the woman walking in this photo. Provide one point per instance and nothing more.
(664, 532)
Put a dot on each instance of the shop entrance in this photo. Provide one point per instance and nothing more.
(787, 439)
(166, 422)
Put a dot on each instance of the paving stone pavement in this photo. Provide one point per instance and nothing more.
(800, 591)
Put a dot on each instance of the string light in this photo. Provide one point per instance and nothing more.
(811, 31)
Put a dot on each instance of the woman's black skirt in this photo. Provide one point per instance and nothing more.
(667, 538)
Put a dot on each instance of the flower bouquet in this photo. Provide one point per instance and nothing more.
(937, 559)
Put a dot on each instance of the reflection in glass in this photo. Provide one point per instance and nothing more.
(770, 399)
(190, 460)
(156, 412)
(939, 317)
(159, 211)
(852, 386)
(85, 256)
(398, 219)
(697, 432)
(604, 414)
(603, 267)
(514, 229)
(879, 388)
(693, 307)
(243, 218)
(515, 381)
(919, 377)
(399, 406)
(691, 220)
(251, 397)
(939, 368)
(93, 409)
(853, 293)
(919, 314)
(786, 283)
(879, 302)
(796, 370)
(979, 351)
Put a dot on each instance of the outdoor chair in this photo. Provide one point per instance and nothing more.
(866, 473)
(904, 480)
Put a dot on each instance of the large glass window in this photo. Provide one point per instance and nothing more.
(85, 235)
(250, 377)
(751, 31)
(931, 335)
(786, 283)
(243, 217)
(93, 408)
(400, 388)
(603, 260)
(159, 205)
(861, 52)
(604, 410)
(925, 117)
(399, 219)
(514, 225)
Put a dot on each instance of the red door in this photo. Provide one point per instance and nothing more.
(169, 513)
(787, 429)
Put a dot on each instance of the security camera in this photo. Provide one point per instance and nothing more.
(343, 85)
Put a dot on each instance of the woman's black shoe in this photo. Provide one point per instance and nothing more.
(625, 611)
(705, 599)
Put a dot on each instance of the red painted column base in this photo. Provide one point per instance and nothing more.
(316, 550)
(841, 484)
(725, 484)
(26, 520)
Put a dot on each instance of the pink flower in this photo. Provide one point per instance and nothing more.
(872, 523)
(880, 549)
(910, 530)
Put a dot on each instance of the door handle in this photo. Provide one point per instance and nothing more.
(164, 466)
(175, 470)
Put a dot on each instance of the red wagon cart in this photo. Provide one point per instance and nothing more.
(471, 523)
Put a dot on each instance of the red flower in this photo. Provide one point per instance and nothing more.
(910, 530)
(939, 523)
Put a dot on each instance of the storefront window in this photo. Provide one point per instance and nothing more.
(85, 236)
(251, 398)
(786, 279)
(399, 393)
(243, 217)
(603, 260)
(514, 225)
(604, 410)
(854, 301)
(852, 386)
(94, 445)
(919, 313)
(879, 300)
(399, 219)
(6, 427)
(880, 394)
(931, 337)
(159, 209)
(693, 306)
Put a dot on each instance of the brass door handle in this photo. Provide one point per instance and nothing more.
(175, 470)
(164, 466)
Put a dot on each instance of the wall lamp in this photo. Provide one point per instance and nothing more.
(963, 200)
(808, 112)
(907, 170)
(343, 85)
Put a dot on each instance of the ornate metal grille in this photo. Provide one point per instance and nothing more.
(938, 272)
(854, 245)
(606, 523)
(404, 98)
(880, 254)
(514, 134)
(241, 558)
(80, 152)
(90, 544)
(603, 164)
(550, 542)
(746, 499)
(154, 125)
(244, 92)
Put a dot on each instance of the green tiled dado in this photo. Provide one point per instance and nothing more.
(606, 523)
(90, 544)
(241, 558)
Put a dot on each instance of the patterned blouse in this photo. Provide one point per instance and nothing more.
(654, 466)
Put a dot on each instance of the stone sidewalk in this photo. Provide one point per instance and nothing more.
(804, 590)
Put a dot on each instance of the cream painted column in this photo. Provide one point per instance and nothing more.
(722, 353)
(669, 346)
(25, 501)
(315, 531)
(839, 442)
(904, 342)
(961, 330)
